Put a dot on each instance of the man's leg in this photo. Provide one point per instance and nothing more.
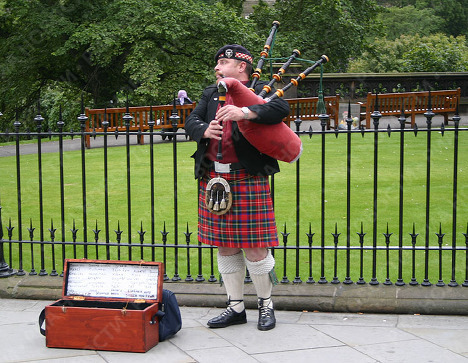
(231, 266)
(260, 264)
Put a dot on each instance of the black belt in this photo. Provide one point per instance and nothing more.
(232, 166)
(236, 166)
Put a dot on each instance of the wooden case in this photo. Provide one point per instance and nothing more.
(106, 305)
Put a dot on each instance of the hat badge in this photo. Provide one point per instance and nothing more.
(229, 53)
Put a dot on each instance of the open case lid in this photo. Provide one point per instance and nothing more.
(135, 281)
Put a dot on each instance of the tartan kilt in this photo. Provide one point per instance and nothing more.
(250, 223)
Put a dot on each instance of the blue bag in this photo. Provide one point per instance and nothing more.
(170, 321)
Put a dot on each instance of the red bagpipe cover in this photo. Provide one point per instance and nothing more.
(276, 140)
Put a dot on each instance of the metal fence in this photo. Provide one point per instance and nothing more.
(365, 206)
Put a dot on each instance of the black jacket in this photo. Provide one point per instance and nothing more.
(255, 162)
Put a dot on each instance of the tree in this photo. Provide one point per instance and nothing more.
(409, 21)
(339, 29)
(436, 53)
(105, 49)
(454, 13)
(413, 53)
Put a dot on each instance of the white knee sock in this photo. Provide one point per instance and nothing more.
(261, 278)
(232, 270)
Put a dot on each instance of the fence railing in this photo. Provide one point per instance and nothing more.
(383, 205)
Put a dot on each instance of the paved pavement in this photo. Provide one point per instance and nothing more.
(298, 337)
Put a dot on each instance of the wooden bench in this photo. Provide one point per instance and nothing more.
(413, 103)
(307, 108)
(161, 116)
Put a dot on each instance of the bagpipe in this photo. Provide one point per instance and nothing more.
(275, 140)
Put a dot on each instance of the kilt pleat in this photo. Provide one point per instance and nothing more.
(250, 222)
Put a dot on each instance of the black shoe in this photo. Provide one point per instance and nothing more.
(266, 318)
(227, 318)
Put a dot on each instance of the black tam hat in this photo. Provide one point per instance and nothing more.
(234, 51)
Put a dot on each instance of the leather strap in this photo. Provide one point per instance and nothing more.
(41, 321)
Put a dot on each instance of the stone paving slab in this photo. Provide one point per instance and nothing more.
(410, 351)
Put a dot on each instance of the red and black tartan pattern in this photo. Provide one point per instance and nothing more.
(250, 223)
(244, 56)
(239, 56)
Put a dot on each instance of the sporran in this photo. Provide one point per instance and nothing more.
(218, 197)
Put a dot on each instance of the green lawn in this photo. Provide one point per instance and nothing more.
(361, 196)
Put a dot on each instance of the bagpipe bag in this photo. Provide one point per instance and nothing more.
(276, 140)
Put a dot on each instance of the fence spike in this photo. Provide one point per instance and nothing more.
(142, 240)
(440, 234)
(30, 229)
(10, 229)
(336, 230)
(52, 230)
(387, 233)
(141, 232)
(164, 232)
(310, 234)
(414, 231)
(96, 232)
(187, 234)
(285, 234)
(118, 232)
(74, 231)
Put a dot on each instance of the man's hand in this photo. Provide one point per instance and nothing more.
(233, 113)
(214, 131)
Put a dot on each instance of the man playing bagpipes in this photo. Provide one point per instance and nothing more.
(235, 206)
